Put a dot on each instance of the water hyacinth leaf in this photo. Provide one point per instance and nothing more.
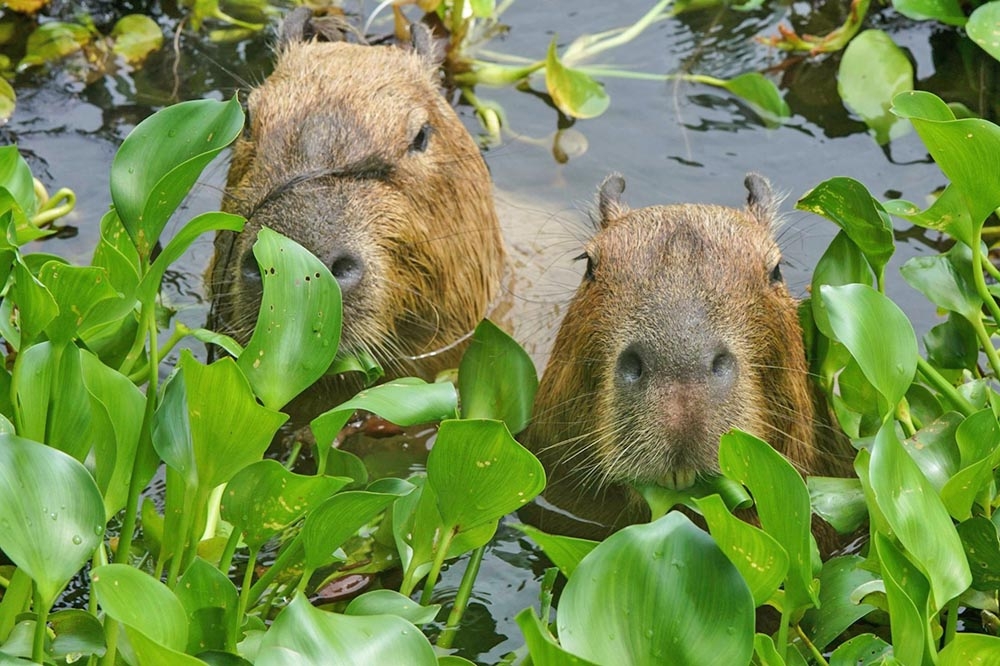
(52, 41)
(264, 498)
(871, 72)
(390, 602)
(676, 599)
(977, 438)
(952, 345)
(497, 378)
(36, 307)
(863, 650)
(573, 92)
(51, 513)
(661, 499)
(336, 520)
(766, 653)
(908, 593)
(760, 559)
(782, 505)
(878, 335)
(967, 151)
(298, 328)
(761, 94)
(984, 28)
(913, 510)
(840, 502)
(15, 176)
(211, 602)
(150, 653)
(942, 279)
(565, 552)
(841, 263)
(837, 611)
(162, 158)
(947, 214)
(945, 11)
(127, 595)
(76, 290)
(135, 37)
(935, 450)
(848, 204)
(346, 464)
(480, 473)
(982, 548)
(77, 634)
(542, 647)
(307, 635)
(970, 650)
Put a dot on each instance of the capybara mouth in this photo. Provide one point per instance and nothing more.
(678, 479)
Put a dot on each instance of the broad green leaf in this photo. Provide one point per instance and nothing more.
(978, 438)
(766, 653)
(967, 151)
(128, 594)
(302, 634)
(840, 502)
(948, 214)
(661, 499)
(76, 290)
(8, 101)
(135, 37)
(782, 506)
(878, 335)
(298, 328)
(480, 474)
(497, 379)
(943, 281)
(51, 513)
(162, 158)
(841, 263)
(390, 602)
(836, 611)
(565, 552)
(935, 450)
(211, 603)
(36, 307)
(543, 648)
(984, 27)
(676, 599)
(344, 463)
(761, 94)
(848, 203)
(945, 11)
(871, 72)
(982, 548)
(760, 559)
(573, 92)
(908, 595)
(913, 510)
(77, 634)
(15, 176)
(952, 345)
(264, 498)
(863, 650)
(152, 653)
(971, 650)
(52, 41)
(336, 520)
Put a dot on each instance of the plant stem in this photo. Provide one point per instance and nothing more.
(287, 556)
(226, 561)
(432, 575)
(944, 386)
(41, 622)
(246, 588)
(624, 37)
(984, 293)
(782, 645)
(447, 636)
(111, 630)
(987, 344)
(816, 654)
(951, 621)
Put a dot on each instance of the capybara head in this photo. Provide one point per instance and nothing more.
(681, 329)
(352, 151)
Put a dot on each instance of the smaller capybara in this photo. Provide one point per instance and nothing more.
(352, 151)
(681, 329)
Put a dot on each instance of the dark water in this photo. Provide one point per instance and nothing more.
(674, 142)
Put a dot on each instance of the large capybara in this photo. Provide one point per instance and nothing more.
(681, 330)
(352, 151)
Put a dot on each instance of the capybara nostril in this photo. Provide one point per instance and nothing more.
(349, 270)
(630, 367)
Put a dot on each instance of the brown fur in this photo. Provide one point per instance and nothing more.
(681, 330)
(337, 156)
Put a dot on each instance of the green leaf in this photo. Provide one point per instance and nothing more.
(51, 513)
(302, 634)
(761, 94)
(841, 263)
(942, 279)
(871, 72)
(77, 634)
(837, 611)
(36, 307)
(947, 214)
(978, 438)
(543, 648)
(970, 650)
(8, 101)
(52, 41)
(149, 652)
(766, 653)
(982, 548)
(264, 498)
(298, 328)
(782, 506)
(984, 27)
(211, 602)
(573, 92)
(840, 502)
(848, 203)
(76, 290)
(967, 151)
(336, 520)
(863, 650)
(934, 449)
(497, 378)
(907, 592)
(480, 474)
(945, 11)
(760, 559)
(127, 595)
(390, 602)
(15, 176)
(565, 552)
(914, 510)
(661, 499)
(657, 568)
(136, 36)
(162, 158)
(952, 345)
(859, 316)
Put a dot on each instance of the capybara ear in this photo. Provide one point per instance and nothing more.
(609, 199)
(422, 39)
(762, 204)
(300, 25)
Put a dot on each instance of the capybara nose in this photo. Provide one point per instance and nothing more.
(686, 361)
(348, 269)
(250, 271)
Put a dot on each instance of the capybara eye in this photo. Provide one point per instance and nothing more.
(423, 137)
(776, 274)
(589, 273)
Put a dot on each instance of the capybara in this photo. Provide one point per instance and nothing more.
(352, 151)
(682, 329)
